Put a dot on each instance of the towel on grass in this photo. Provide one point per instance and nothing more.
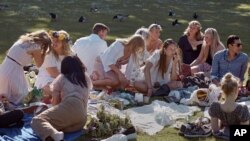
(27, 134)
(152, 118)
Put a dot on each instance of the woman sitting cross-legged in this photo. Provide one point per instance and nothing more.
(228, 112)
(107, 73)
(161, 68)
(69, 99)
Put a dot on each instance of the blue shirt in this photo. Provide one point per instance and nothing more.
(221, 65)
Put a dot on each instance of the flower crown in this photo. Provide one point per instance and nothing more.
(59, 35)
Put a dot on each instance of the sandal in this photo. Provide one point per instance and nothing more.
(185, 127)
(200, 128)
(202, 121)
(198, 131)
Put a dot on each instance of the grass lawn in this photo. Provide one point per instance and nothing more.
(28, 15)
(227, 16)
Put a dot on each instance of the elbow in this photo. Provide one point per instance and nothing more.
(39, 64)
(203, 60)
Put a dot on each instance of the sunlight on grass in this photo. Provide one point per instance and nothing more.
(34, 7)
(42, 19)
(12, 13)
(132, 17)
(27, 15)
(145, 10)
(243, 7)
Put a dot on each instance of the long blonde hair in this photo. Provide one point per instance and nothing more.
(64, 37)
(135, 43)
(162, 64)
(40, 37)
(216, 43)
(199, 34)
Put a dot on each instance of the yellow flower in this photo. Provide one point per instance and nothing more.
(61, 36)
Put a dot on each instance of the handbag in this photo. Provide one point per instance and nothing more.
(12, 119)
(185, 70)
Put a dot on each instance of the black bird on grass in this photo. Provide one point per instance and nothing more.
(171, 13)
(82, 19)
(94, 9)
(3, 6)
(120, 17)
(195, 16)
(175, 22)
(53, 16)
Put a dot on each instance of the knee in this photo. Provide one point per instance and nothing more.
(35, 122)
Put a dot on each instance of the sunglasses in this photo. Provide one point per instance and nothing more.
(238, 44)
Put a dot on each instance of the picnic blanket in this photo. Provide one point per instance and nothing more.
(152, 118)
(27, 134)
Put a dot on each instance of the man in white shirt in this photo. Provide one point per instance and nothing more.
(88, 48)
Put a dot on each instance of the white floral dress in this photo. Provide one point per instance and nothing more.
(13, 84)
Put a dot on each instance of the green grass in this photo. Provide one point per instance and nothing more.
(227, 16)
(28, 15)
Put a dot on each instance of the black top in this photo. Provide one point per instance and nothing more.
(188, 54)
(209, 58)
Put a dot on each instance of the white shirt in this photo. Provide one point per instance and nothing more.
(155, 74)
(88, 48)
(133, 70)
(111, 55)
(43, 77)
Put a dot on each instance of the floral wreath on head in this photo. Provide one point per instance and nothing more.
(59, 35)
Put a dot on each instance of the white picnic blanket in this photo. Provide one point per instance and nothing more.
(152, 118)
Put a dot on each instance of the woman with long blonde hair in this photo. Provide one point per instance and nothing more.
(29, 47)
(107, 73)
(191, 41)
(154, 41)
(211, 45)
